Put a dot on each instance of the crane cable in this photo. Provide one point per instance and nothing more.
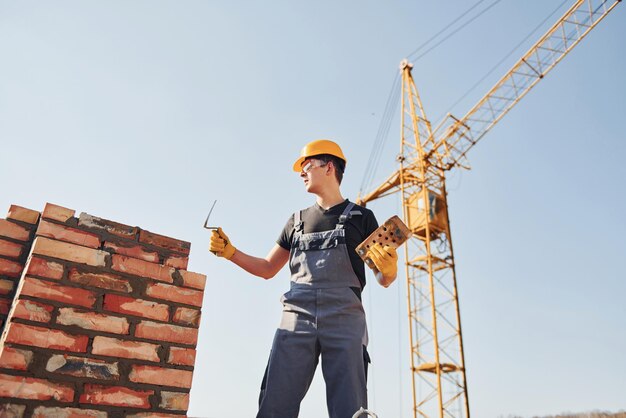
(392, 99)
(453, 32)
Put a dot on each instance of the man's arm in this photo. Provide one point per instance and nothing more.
(263, 267)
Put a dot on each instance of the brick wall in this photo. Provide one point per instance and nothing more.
(104, 320)
(16, 235)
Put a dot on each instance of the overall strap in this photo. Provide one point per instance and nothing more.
(347, 214)
(298, 225)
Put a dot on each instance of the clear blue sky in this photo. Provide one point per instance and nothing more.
(144, 112)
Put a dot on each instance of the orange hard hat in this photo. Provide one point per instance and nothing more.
(317, 147)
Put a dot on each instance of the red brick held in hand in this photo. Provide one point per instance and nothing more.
(68, 251)
(157, 375)
(113, 347)
(31, 388)
(67, 234)
(166, 332)
(116, 396)
(52, 291)
(15, 358)
(57, 213)
(136, 307)
(175, 294)
(49, 269)
(10, 249)
(46, 338)
(134, 251)
(19, 213)
(162, 241)
(182, 356)
(142, 268)
(11, 230)
(32, 311)
(93, 321)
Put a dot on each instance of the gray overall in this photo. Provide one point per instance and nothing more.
(322, 315)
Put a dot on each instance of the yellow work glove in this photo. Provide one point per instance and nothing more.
(385, 258)
(220, 244)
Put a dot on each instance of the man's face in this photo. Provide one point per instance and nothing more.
(312, 173)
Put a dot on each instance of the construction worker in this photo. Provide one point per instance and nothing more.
(322, 311)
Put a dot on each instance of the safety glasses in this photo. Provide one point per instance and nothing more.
(310, 166)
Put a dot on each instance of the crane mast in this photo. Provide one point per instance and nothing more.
(439, 384)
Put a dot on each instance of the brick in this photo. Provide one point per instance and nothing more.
(32, 388)
(178, 401)
(162, 241)
(15, 358)
(82, 367)
(52, 291)
(6, 286)
(57, 213)
(68, 251)
(187, 316)
(45, 338)
(156, 375)
(10, 410)
(100, 280)
(136, 307)
(114, 347)
(5, 305)
(191, 279)
(67, 234)
(19, 213)
(15, 231)
(134, 251)
(142, 268)
(111, 227)
(166, 332)
(32, 311)
(49, 269)
(175, 294)
(116, 396)
(10, 249)
(93, 321)
(177, 261)
(182, 356)
(57, 412)
(10, 268)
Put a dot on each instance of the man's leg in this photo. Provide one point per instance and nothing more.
(344, 373)
(289, 373)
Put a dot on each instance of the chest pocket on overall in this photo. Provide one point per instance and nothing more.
(318, 249)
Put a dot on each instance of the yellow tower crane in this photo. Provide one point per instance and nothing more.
(437, 360)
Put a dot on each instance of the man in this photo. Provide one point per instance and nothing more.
(322, 311)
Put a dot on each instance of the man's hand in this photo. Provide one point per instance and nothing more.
(220, 244)
(385, 258)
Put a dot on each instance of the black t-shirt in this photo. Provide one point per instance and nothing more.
(317, 219)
